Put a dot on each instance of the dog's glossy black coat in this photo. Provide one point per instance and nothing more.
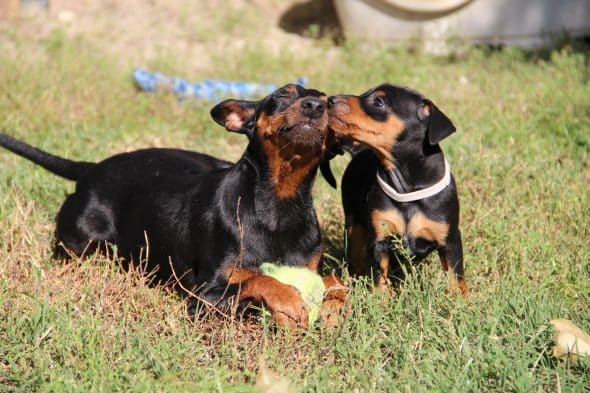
(168, 208)
(413, 152)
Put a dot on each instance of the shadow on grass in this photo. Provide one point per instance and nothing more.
(312, 19)
(558, 43)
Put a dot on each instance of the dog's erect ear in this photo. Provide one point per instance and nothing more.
(439, 125)
(235, 115)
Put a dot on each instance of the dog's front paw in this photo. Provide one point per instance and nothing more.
(283, 301)
(287, 307)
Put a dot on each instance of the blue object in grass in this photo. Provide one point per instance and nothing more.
(211, 89)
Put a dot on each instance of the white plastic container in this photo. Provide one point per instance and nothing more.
(511, 22)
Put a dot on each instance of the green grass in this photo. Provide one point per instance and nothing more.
(521, 156)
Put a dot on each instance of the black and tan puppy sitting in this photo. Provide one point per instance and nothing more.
(209, 224)
(399, 196)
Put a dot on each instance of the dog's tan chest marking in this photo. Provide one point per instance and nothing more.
(391, 222)
(425, 228)
(387, 222)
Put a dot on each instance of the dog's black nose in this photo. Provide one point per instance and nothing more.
(312, 107)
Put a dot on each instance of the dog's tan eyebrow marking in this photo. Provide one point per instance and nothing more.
(291, 89)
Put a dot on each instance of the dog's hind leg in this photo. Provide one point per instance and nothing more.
(83, 225)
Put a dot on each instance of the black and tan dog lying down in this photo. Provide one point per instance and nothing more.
(210, 223)
(400, 186)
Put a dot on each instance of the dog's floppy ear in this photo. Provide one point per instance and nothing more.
(235, 115)
(333, 149)
(439, 125)
(326, 172)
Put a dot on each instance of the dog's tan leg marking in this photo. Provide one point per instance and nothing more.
(455, 285)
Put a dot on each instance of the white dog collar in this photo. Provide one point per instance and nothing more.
(419, 194)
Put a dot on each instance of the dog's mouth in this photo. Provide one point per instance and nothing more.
(308, 132)
(305, 122)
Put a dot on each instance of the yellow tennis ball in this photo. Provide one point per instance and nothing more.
(309, 284)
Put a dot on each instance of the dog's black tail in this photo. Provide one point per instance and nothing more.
(68, 169)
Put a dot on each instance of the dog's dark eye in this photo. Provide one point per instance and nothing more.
(378, 103)
(283, 95)
(282, 101)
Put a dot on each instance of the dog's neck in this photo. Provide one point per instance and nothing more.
(270, 211)
(286, 178)
(415, 168)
